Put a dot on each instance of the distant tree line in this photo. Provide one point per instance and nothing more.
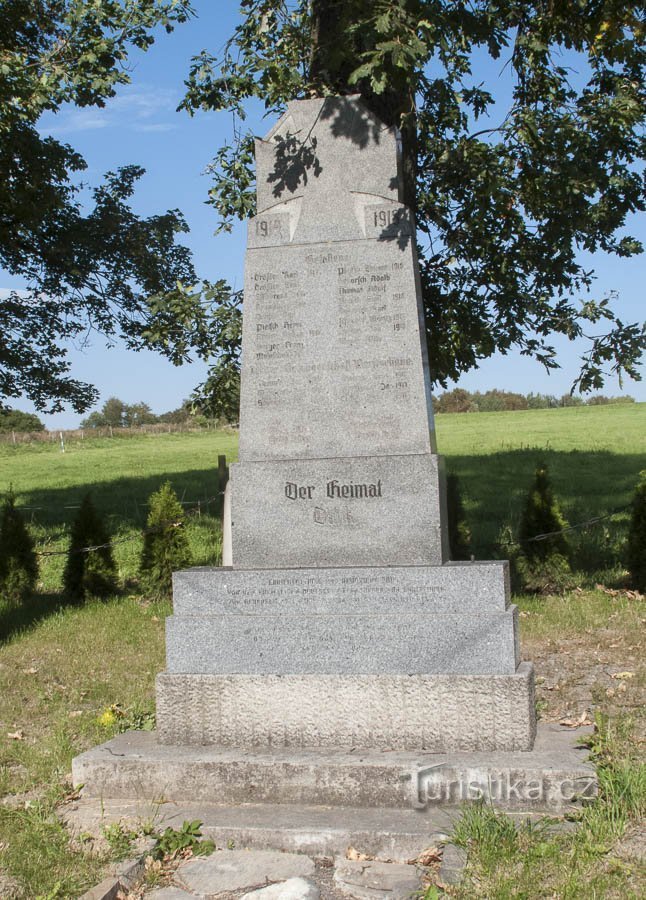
(117, 414)
(15, 420)
(460, 400)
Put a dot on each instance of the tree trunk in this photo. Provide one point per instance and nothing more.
(335, 55)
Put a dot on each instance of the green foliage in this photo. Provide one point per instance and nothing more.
(15, 420)
(84, 265)
(165, 544)
(18, 563)
(543, 563)
(117, 414)
(459, 533)
(189, 837)
(506, 194)
(119, 838)
(93, 573)
(461, 400)
(637, 537)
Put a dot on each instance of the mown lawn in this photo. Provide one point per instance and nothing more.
(70, 677)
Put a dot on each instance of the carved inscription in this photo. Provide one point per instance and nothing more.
(331, 352)
(333, 489)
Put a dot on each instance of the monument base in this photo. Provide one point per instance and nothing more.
(385, 712)
(322, 801)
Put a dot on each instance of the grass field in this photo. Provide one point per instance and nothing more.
(70, 677)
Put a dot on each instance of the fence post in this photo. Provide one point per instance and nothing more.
(223, 474)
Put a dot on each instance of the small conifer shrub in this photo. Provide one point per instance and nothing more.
(543, 565)
(637, 538)
(166, 546)
(92, 573)
(18, 563)
(459, 533)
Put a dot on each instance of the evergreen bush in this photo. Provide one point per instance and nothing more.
(459, 533)
(637, 538)
(94, 573)
(18, 562)
(543, 566)
(166, 547)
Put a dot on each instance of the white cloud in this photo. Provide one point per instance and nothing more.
(144, 108)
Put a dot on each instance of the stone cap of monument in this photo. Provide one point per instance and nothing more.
(308, 165)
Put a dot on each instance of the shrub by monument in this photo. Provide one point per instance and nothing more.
(459, 533)
(637, 538)
(165, 545)
(542, 566)
(93, 573)
(18, 563)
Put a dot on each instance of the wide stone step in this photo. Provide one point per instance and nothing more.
(134, 766)
(387, 833)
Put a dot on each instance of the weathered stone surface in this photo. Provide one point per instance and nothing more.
(454, 860)
(169, 893)
(370, 879)
(553, 775)
(397, 834)
(384, 511)
(234, 870)
(292, 889)
(334, 364)
(431, 712)
(469, 588)
(347, 644)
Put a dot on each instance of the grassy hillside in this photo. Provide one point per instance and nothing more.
(594, 455)
(71, 677)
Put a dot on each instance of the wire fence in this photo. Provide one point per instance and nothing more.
(198, 505)
(141, 532)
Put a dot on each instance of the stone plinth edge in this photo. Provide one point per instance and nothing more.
(387, 712)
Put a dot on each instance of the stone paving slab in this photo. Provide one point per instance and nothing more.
(369, 880)
(231, 870)
(292, 889)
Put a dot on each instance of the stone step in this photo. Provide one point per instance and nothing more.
(398, 835)
(134, 766)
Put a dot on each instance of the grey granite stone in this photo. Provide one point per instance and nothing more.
(367, 511)
(408, 712)
(233, 870)
(169, 893)
(339, 645)
(292, 889)
(470, 588)
(334, 364)
(454, 860)
(368, 879)
(397, 834)
(133, 765)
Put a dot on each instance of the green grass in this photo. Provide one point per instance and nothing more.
(507, 861)
(594, 456)
(72, 676)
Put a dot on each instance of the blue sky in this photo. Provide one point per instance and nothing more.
(141, 126)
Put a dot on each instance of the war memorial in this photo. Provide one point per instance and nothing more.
(342, 681)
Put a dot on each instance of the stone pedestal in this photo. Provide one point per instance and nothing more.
(342, 652)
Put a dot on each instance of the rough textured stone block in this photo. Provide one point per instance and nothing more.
(379, 511)
(305, 782)
(432, 712)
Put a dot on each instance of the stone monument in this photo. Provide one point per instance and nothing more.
(342, 629)
(341, 621)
